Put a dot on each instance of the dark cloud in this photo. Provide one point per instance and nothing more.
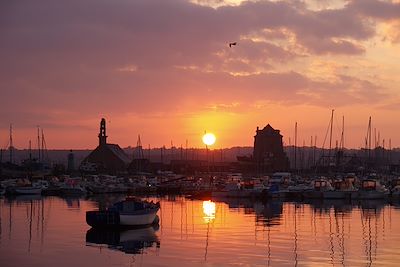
(75, 56)
(386, 10)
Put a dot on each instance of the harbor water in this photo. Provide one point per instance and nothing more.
(51, 231)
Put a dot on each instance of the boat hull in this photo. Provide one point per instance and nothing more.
(371, 195)
(115, 219)
(28, 190)
(339, 194)
(313, 194)
(72, 192)
(137, 220)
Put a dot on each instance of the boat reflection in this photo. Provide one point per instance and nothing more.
(269, 213)
(129, 241)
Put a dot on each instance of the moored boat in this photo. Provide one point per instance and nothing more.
(395, 189)
(28, 190)
(130, 212)
(320, 187)
(72, 187)
(372, 189)
(343, 189)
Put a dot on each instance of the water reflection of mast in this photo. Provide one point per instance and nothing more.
(342, 235)
(269, 244)
(209, 212)
(181, 219)
(0, 221)
(10, 221)
(30, 228)
(331, 239)
(367, 243)
(42, 232)
(206, 248)
(295, 234)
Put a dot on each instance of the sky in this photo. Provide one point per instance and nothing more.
(163, 70)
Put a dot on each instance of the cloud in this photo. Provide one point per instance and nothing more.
(93, 57)
(385, 10)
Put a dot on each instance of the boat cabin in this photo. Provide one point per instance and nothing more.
(396, 182)
(369, 185)
(321, 185)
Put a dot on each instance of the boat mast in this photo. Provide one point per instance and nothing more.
(45, 156)
(330, 137)
(342, 138)
(30, 152)
(295, 146)
(11, 144)
(369, 140)
(38, 142)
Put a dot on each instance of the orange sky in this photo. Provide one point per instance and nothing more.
(164, 70)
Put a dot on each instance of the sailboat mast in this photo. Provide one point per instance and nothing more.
(330, 136)
(369, 141)
(343, 133)
(30, 152)
(11, 144)
(295, 146)
(38, 142)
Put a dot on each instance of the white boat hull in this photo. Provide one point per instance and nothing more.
(136, 220)
(28, 190)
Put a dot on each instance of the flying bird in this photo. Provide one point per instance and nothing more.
(230, 44)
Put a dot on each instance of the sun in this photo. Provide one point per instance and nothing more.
(209, 139)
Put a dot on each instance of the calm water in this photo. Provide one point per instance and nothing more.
(51, 231)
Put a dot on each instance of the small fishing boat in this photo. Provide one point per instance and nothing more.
(130, 212)
(28, 190)
(320, 186)
(343, 189)
(72, 187)
(395, 188)
(278, 185)
(372, 189)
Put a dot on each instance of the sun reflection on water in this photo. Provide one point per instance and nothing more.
(208, 210)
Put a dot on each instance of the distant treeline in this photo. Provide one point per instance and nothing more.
(305, 156)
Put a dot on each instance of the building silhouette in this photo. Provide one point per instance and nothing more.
(71, 162)
(107, 158)
(268, 153)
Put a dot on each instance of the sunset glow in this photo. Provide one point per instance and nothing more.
(208, 210)
(209, 139)
(156, 69)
